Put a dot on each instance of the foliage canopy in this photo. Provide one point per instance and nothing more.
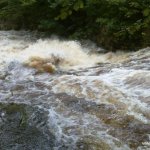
(114, 24)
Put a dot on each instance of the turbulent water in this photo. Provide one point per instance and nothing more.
(87, 100)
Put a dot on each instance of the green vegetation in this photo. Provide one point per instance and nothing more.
(113, 24)
(13, 108)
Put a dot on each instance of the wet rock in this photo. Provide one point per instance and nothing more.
(2, 75)
(24, 127)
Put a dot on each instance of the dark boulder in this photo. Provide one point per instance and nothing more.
(23, 127)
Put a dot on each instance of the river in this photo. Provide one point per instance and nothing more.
(59, 95)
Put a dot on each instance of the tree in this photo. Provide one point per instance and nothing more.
(113, 24)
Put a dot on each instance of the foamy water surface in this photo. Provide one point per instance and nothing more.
(94, 101)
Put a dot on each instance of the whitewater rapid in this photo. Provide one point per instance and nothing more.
(95, 101)
(24, 48)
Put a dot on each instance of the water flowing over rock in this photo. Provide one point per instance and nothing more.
(24, 127)
(56, 95)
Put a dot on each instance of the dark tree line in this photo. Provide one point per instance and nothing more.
(113, 24)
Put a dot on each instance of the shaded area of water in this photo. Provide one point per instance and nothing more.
(103, 107)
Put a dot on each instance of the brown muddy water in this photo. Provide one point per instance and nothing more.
(58, 95)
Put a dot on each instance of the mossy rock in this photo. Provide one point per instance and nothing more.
(13, 109)
(18, 130)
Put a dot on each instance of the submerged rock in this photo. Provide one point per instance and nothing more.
(90, 143)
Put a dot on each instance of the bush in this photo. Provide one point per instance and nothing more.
(113, 24)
